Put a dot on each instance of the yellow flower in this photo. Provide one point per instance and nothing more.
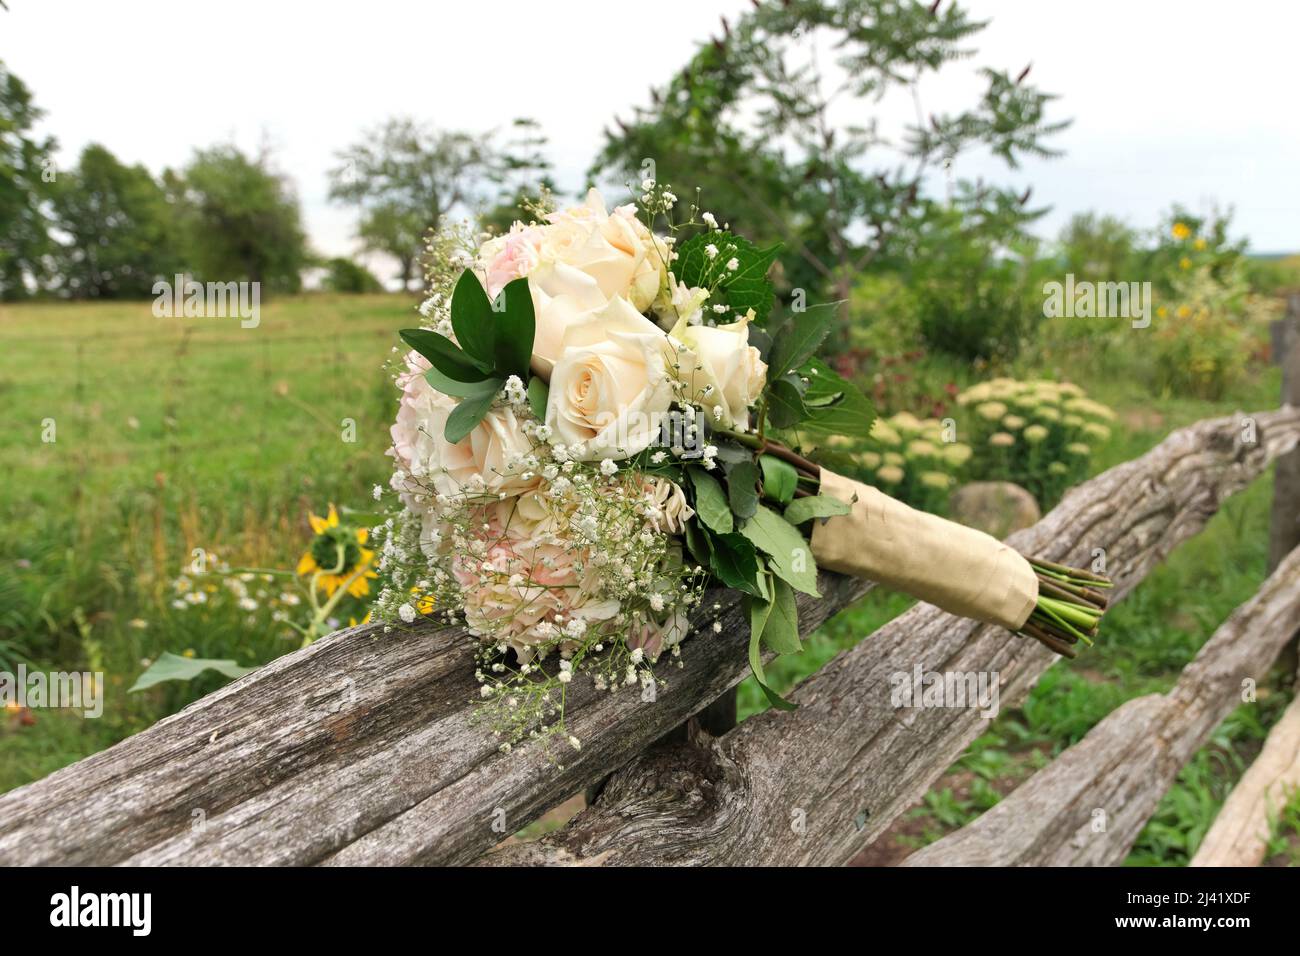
(885, 434)
(890, 474)
(1184, 312)
(936, 479)
(1184, 263)
(957, 454)
(991, 411)
(336, 554)
(1002, 440)
(1199, 245)
(905, 422)
(1162, 312)
(423, 603)
(1036, 433)
(1181, 231)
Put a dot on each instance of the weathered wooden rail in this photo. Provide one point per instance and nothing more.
(361, 750)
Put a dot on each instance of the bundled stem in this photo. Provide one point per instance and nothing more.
(1071, 602)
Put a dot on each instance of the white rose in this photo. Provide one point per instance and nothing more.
(562, 296)
(610, 386)
(616, 249)
(489, 454)
(576, 262)
(720, 368)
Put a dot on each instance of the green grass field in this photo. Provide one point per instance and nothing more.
(177, 434)
(169, 435)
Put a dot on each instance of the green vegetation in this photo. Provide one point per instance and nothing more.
(1147, 639)
(170, 435)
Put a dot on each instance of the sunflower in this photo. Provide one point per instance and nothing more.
(336, 554)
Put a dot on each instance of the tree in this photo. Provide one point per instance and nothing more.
(27, 174)
(344, 275)
(521, 172)
(405, 178)
(121, 230)
(752, 119)
(240, 219)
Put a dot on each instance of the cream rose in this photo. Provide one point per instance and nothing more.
(616, 249)
(576, 262)
(610, 387)
(490, 458)
(720, 369)
(527, 579)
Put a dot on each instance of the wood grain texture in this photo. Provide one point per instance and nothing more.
(817, 785)
(1239, 835)
(1088, 806)
(361, 748)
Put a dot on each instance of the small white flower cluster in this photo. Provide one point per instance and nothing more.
(583, 566)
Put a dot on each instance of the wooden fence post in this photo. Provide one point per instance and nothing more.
(1284, 527)
(1284, 522)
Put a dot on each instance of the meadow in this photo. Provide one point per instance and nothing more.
(132, 443)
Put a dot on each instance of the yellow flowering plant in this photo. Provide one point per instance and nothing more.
(1038, 434)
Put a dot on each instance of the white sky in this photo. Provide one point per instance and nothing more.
(1191, 101)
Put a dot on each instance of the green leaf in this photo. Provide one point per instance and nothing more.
(781, 633)
(798, 340)
(538, 395)
(445, 355)
(449, 386)
(711, 501)
(759, 612)
(742, 488)
(814, 506)
(835, 406)
(785, 407)
(789, 555)
(779, 479)
(472, 318)
(743, 288)
(734, 562)
(516, 328)
(697, 542)
(466, 416)
(175, 667)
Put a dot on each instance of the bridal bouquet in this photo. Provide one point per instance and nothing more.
(599, 421)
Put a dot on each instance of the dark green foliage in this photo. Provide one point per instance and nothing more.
(27, 175)
(122, 232)
(240, 220)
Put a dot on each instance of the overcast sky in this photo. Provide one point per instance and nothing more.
(1191, 101)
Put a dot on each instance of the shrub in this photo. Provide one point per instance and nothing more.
(344, 275)
(1038, 434)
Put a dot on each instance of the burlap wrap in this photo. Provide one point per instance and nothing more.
(964, 571)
